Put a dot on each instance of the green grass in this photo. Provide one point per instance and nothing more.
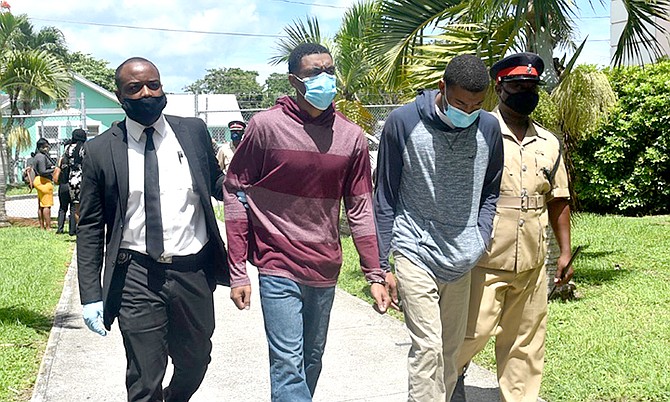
(21, 189)
(613, 342)
(32, 268)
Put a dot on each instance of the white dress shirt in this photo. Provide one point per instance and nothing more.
(184, 227)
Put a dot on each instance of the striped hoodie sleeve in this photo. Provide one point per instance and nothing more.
(358, 206)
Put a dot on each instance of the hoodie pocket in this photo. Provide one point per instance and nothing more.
(457, 247)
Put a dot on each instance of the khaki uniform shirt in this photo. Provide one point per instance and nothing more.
(519, 227)
(225, 155)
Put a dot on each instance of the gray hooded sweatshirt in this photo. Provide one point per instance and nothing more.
(437, 188)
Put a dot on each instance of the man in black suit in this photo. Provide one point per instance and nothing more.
(145, 205)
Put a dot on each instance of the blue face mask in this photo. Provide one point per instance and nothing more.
(319, 90)
(459, 117)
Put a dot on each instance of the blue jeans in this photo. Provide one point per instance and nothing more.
(296, 324)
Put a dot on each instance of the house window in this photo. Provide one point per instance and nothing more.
(48, 132)
(92, 131)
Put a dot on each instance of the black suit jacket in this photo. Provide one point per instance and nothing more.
(104, 199)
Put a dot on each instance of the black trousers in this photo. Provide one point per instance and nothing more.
(65, 204)
(166, 310)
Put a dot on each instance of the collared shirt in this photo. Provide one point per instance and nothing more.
(519, 240)
(225, 155)
(184, 227)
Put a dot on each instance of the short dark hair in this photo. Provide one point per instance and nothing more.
(41, 143)
(302, 50)
(117, 73)
(468, 72)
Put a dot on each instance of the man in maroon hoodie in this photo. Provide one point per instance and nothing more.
(282, 195)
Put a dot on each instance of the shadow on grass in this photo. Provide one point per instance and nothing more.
(37, 321)
(596, 268)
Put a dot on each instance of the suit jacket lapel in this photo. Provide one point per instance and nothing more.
(193, 154)
(120, 161)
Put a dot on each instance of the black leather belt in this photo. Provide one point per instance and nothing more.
(192, 262)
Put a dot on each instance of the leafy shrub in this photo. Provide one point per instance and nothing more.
(546, 113)
(624, 166)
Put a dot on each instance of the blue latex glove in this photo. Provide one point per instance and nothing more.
(242, 197)
(93, 317)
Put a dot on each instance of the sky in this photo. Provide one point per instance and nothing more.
(222, 33)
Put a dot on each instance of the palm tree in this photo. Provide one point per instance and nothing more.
(50, 40)
(25, 75)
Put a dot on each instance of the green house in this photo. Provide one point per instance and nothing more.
(89, 106)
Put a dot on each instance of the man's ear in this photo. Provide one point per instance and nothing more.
(293, 81)
(498, 88)
(118, 96)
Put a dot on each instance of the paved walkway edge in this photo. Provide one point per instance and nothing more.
(42, 381)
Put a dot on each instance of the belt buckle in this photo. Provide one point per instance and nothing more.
(123, 257)
(524, 202)
(165, 260)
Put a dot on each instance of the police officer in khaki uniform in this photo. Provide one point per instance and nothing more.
(227, 149)
(508, 296)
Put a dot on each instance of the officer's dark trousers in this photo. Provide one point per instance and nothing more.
(166, 310)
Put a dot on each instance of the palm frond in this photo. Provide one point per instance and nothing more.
(19, 139)
(37, 72)
(402, 28)
(297, 32)
(638, 33)
(357, 113)
(353, 59)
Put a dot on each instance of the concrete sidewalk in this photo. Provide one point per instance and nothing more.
(365, 358)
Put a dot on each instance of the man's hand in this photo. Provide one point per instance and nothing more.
(92, 313)
(241, 296)
(563, 273)
(392, 289)
(381, 296)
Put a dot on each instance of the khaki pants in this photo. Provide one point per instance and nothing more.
(513, 307)
(436, 316)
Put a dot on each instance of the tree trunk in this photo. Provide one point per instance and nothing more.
(544, 47)
(552, 257)
(4, 221)
(11, 167)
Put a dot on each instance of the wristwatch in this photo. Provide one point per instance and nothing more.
(379, 281)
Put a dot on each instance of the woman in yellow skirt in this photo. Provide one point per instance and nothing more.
(44, 167)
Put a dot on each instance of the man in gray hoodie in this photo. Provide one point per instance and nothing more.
(438, 178)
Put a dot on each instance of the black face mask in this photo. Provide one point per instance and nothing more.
(522, 102)
(144, 110)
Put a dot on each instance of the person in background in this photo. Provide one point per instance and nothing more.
(439, 167)
(225, 153)
(44, 169)
(29, 179)
(64, 200)
(508, 293)
(296, 164)
(146, 210)
(74, 154)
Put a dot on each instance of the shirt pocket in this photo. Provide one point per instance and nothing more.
(543, 166)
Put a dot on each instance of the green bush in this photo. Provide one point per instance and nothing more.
(624, 166)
